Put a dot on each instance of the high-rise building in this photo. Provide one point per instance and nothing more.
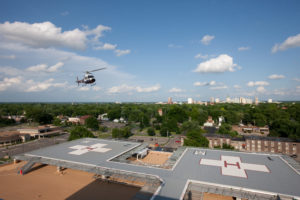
(170, 100)
(190, 101)
(212, 99)
(256, 101)
(228, 100)
(270, 100)
(217, 100)
(160, 112)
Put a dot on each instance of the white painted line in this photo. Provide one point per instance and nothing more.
(179, 158)
(289, 165)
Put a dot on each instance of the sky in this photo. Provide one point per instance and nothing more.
(152, 50)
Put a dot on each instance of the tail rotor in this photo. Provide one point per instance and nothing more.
(77, 81)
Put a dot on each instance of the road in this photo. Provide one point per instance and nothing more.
(32, 145)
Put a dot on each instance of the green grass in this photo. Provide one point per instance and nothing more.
(104, 135)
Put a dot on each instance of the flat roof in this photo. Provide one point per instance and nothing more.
(260, 173)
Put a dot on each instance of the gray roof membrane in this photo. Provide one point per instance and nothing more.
(250, 172)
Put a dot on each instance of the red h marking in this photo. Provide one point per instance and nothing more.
(237, 164)
(235, 167)
(90, 148)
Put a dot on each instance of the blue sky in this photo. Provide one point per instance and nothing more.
(152, 50)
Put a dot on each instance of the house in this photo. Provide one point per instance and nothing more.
(83, 118)
(41, 131)
(209, 123)
(74, 120)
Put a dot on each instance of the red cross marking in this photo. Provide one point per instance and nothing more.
(233, 166)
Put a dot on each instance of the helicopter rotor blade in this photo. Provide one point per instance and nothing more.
(96, 70)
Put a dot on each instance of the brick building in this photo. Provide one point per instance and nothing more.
(256, 144)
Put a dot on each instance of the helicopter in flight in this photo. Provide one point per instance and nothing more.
(88, 78)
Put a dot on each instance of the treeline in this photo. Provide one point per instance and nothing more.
(283, 119)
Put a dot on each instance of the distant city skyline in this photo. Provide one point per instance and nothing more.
(152, 50)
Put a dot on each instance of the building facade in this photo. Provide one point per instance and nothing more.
(257, 144)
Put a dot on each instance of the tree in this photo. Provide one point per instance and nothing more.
(114, 113)
(116, 133)
(188, 126)
(164, 131)
(177, 113)
(39, 115)
(80, 132)
(6, 122)
(151, 131)
(103, 128)
(196, 139)
(171, 125)
(126, 132)
(92, 123)
(259, 119)
(226, 129)
(56, 121)
(121, 133)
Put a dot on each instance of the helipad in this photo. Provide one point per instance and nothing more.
(257, 173)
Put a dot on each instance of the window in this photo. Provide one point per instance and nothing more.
(272, 150)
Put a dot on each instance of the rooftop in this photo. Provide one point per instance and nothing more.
(262, 173)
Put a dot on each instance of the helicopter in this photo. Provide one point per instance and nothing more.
(88, 78)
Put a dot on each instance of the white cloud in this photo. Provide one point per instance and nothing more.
(46, 34)
(10, 57)
(220, 64)
(199, 55)
(276, 76)
(37, 68)
(257, 83)
(55, 67)
(120, 89)
(19, 84)
(96, 88)
(41, 86)
(237, 86)
(175, 90)
(11, 71)
(243, 48)
(122, 52)
(280, 92)
(97, 32)
(126, 88)
(42, 35)
(261, 89)
(296, 79)
(106, 46)
(83, 89)
(211, 83)
(8, 82)
(207, 39)
(175, 46)
(290, 42)
(65, 13)
(221, 87)
(148, 89)
(45, 68)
